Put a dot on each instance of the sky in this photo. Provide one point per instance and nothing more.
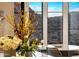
(54, 6)
(74, 6)
(36, 6)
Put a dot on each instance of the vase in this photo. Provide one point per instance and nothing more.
(9, 53)
(27, 54)
(1, 52)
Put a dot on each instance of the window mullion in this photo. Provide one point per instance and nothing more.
(65, 26)
(45, 15)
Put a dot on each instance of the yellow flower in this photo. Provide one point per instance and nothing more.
(9, 43)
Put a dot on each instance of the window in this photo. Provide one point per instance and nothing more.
(35, 8)
(74, 23)
(55, 23)
(17, 7)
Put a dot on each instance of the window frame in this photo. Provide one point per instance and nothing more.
(65, 25)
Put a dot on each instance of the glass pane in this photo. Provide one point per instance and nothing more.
(74, 37)
(74, 20)
(74, 23)
(35, 8)
(73, 6)
(54, 14)
(55, 28)
(17, 6)
(54, 6)
(17, 18)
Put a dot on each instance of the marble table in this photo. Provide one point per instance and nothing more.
(73, 47)
(68, 52)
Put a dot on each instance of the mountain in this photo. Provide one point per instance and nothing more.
(55, 28)
(39, 28)
(74, 28)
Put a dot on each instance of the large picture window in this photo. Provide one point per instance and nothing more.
(74, 23)
(17, 8)
(54, 23)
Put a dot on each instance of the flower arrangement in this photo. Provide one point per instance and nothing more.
(28, 47)
(7, 43)
(23, 30)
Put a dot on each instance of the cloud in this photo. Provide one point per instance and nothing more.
(35, 8)
(77, 9)
(54, 14)
(52, 9)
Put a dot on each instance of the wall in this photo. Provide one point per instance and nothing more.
(6, 28)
